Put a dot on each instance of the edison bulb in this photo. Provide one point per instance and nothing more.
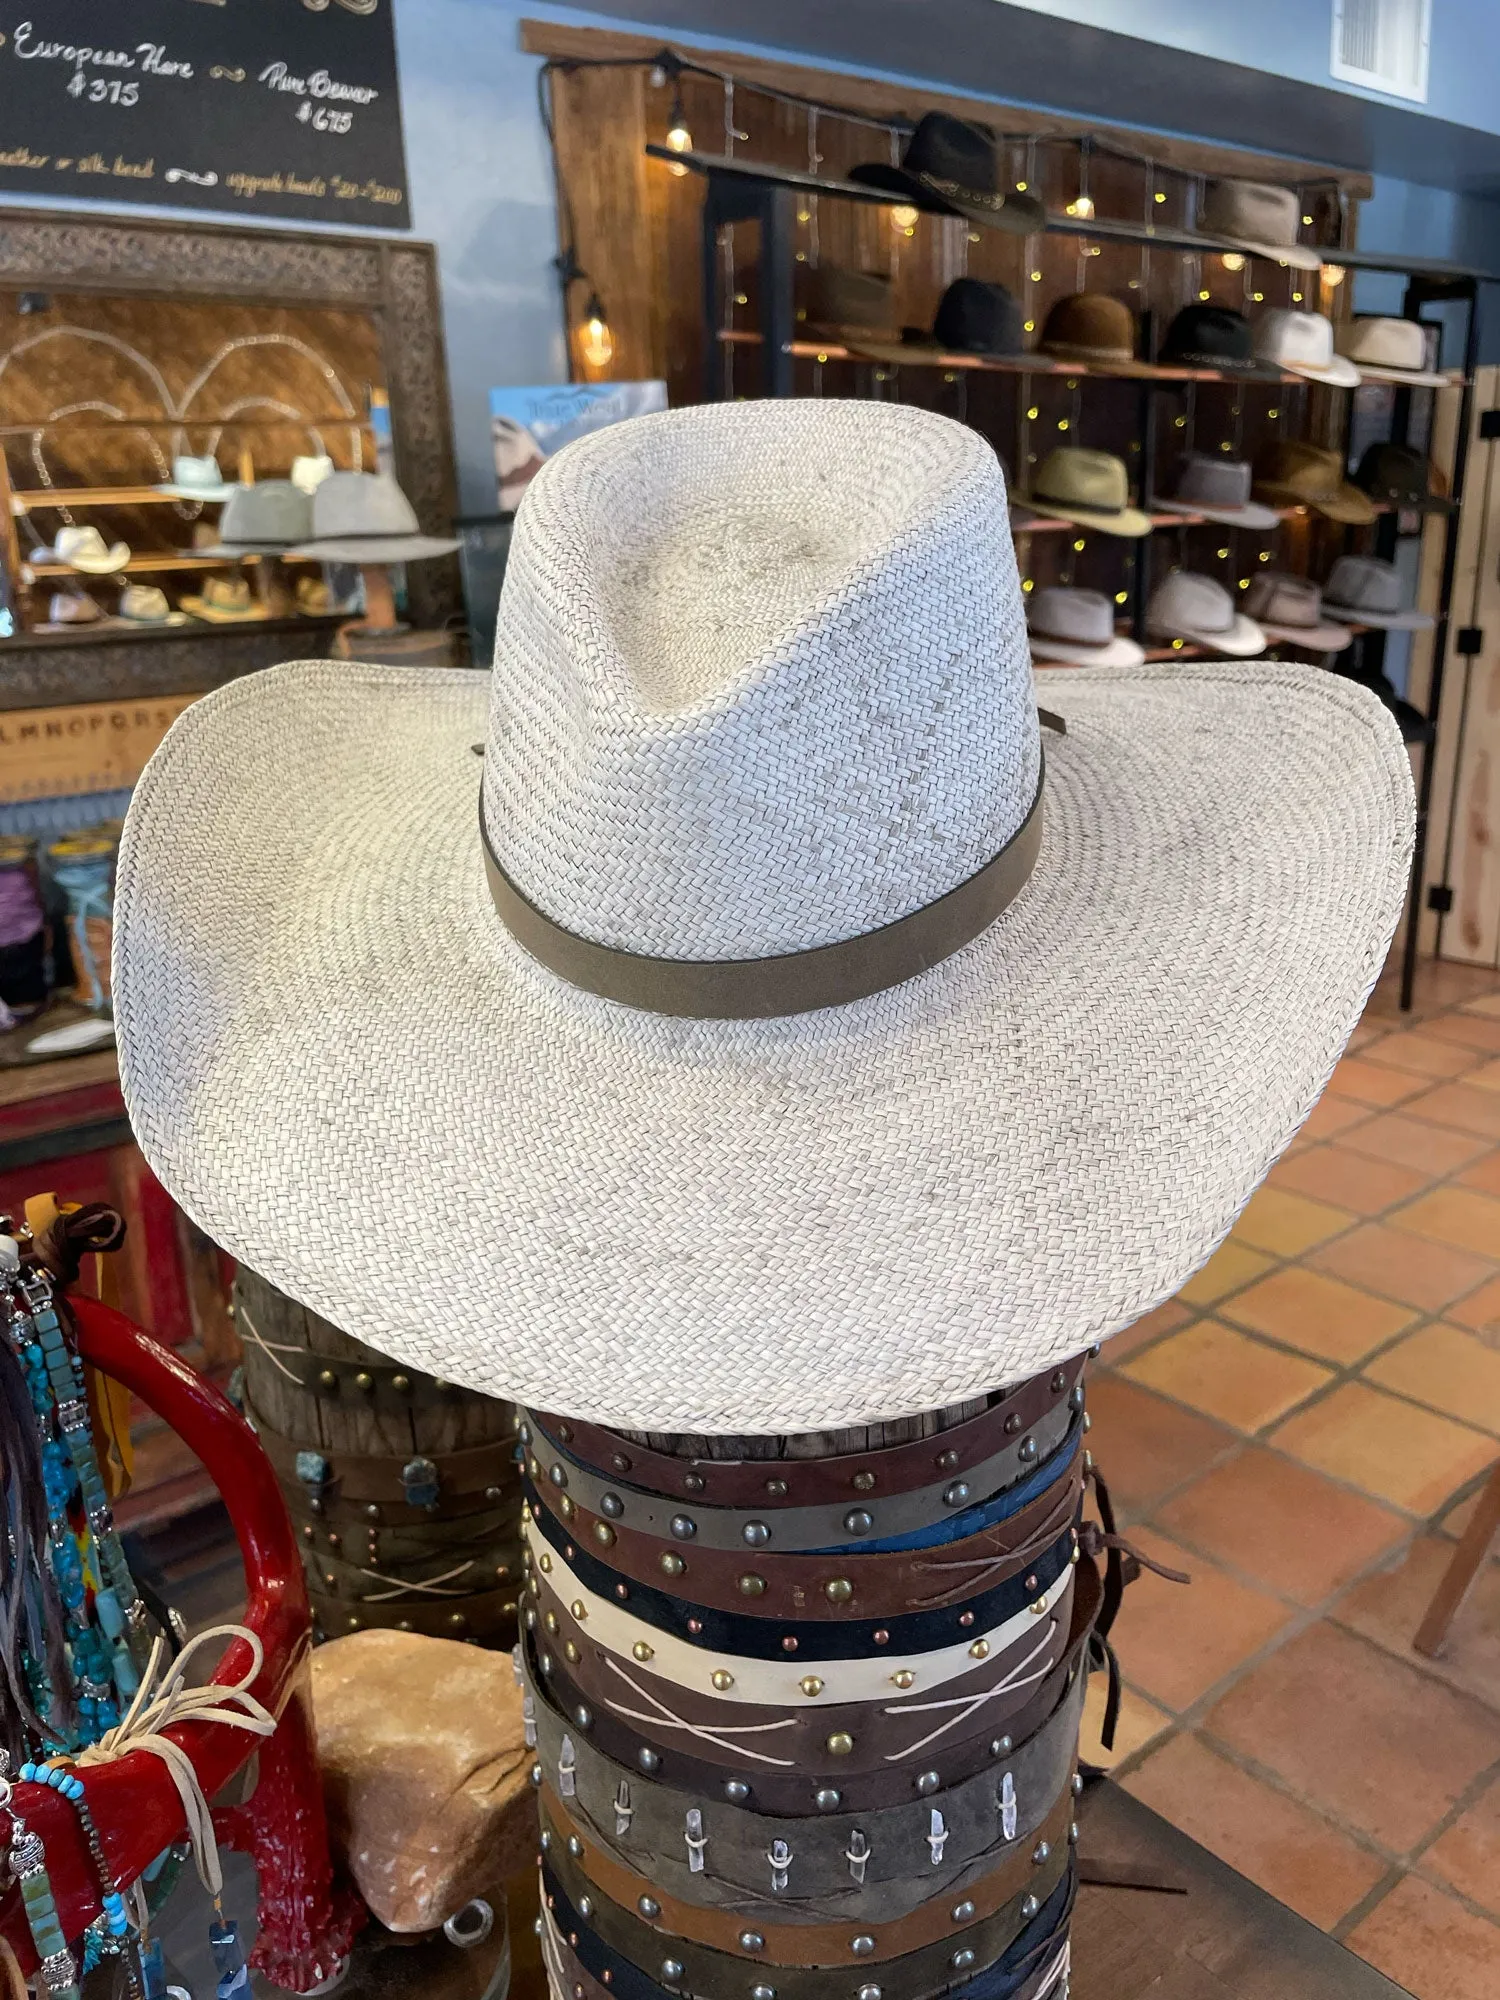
(1232, 261)
(1082, 208)
(595, 341)
(903, 216)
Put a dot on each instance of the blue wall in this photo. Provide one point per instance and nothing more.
(481, 177)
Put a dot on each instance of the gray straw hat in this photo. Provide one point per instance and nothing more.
(768, 1033)
(364, 517)
(263, 519)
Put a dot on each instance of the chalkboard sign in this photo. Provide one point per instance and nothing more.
(276, 107)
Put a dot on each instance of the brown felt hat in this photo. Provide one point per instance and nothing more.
(836, 301)
(1090, 326)
(1292, 472)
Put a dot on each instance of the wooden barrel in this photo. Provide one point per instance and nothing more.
(404, 1488)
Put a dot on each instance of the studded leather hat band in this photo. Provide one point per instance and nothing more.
(809, 1641)
(484, 1471)
(489, 1616)
(701, 1846)
(774, 1585)
(830, 975)
(864, 1522)
(851, 1477)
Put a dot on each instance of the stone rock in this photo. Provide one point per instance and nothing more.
(425, 1771)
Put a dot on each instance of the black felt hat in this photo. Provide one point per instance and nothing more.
(1396, 474)
(1214, 337)
(950, 167)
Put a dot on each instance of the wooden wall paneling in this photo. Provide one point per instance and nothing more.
(1471, 930)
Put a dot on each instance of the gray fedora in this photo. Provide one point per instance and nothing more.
(263, 519)
(364, 517)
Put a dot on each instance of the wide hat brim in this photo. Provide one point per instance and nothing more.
(108, 562)
(220, 614)
(1410, 378)
(1018, 214)
(1252, 516)
(1320, 638)
(1242, 641)
(347, 1071)
(1346, 504)
(197, 492)
(1299, 256)
(375, 548)
(1384, 621)
(1116, 652)
(1128, 521)
(1338, 373)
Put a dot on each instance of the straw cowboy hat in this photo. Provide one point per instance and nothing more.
(766, 1034)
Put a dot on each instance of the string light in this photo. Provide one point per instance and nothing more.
(679, 138)
(1159, 195)
(1033, 413)
(1307, 221)
(1082, 208)
(1265, 555)
(595, 341)
(1028, 583)
(1036, 277)
(1204, 295)
(1296, 298)
(1223, 555)
(1232, 261)
(904, 218)
(1062, 423)
(1020, 187)
(1333, 274)
(1122, 597)
(1079, 545)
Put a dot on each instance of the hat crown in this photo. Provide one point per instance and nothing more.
(975, 314)
(1364, 583)
(1090, 323)
(1059, 612)
(1311, 468)
(143, 600)
(1213, 482)
(77, 541)
(1083, 479)
(949, 149)
(1395, 472)
(310, 470)
(360, 504)
(190, 471)
(1211, 334)
(1187, 598)
(1302, 339)
(834, 295)
(1256, 211)
(761, 678)
(272, 510)
(1284, 599)
(227, 593)
(1384, 343)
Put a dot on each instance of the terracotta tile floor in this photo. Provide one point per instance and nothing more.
(1304, 1428)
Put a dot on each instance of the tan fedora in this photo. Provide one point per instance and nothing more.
(1259, 217)
(1089, 487)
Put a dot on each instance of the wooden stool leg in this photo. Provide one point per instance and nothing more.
(1461, 1571)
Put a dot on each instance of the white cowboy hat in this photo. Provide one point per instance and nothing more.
(1186, 605)
(1370, 592)
(1076, 628)
(1260, 217)
(1390, 350)
(1301, 343)
(197, 479)
(364, 517)
(86, 550)
(761, 736)
(1289, 610)
(1219, 490)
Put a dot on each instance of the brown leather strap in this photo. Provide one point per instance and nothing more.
(823, 1587)
(848, 1942)
(483, 1469)
(489, 1616)
(798, 982)
(851, 1476)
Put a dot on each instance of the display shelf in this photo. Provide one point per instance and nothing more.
(144, 565)
(32, 499)
(1032, 363)
(121, 631)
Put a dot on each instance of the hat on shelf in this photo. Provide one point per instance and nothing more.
(1203, 336)
(1218, 488)
(226, 600)
(313, 598)
(772, 919)
(1390, 350)
(1293, 473)
(973, 317)
(1368, 591)
(1089, 487)
(1077, 628)
(364, 517)
(264, 519)
(951, 167)
(1091, 327)
(85, 549)
(1395, 475)
(73, 607)
(1289, 610)
(197, 479)
(1301, 343)
(308, 474)
(837, 301)
(147, 604)
(1259, 217)
(1186, 605)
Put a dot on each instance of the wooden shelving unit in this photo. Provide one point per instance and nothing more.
(1031, 363)
(32, 499)
(148, 565)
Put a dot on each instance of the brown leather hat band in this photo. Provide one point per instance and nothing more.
(798, 982)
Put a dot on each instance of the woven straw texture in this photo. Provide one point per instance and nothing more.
(345, 1069)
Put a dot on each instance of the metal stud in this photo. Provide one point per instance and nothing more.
(1078, 1784)
(928, 1782)
(903, 1678)
(648, 1760)
(604, 1534)
(401, 1383)
(736, 1791)
(571, 1652)
(575, 1847)
(762, 1993)
(880, 1638)
(364, 1380)
(755, 1534)
(672, 1563)
(827, 1799)
(544, 1563)
(565, 1432)
(579, 1609)
(789, 1643)
(558, 1475)
(671, 1970)
(838, 1590)
(863, 1482)
(947, 1461)
(811, 1685)
(1040, 1852)
(839, 1744)
(776, 1489)
(1073, 1834)
(550, 1621)
(1012, 1423)
(327, 1379)
(859, 1521)
(1029, 1907)
(1059, 1381)
(966, 1619)
(956, 1494)
(695, 1626)
(684, 1527)
(648, 1906)
(1033, 1583)
(999, 1745)
(585, 1906)
(619, 1462)
(862, 1945)
(1027, 1451)
(693, 1482)
(1075, 1401)
(372, 1512)
(722, 1679)
(752, 1585)
(611, 1504)
(980, 1650)
(752, 1941)
(643, 1651)
(565, 1508)
(962, 1960)
(868, 1993)
(963, 1913)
